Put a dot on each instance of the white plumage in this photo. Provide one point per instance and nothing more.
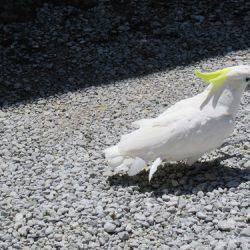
(187, 129)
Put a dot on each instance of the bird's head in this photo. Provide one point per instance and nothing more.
(236, 78)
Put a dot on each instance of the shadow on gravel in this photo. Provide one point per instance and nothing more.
(52, 47)
(180, 179)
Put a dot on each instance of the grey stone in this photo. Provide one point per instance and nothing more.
(165, 197)
(23, 231)
(19, 220)
(109, 227)
(247, 164)
(209, 207)
(226, 225)
(140, 217)
(201, 215)
(221, 246)
(49, 230)
(123, 235)
(129, 228)
(245, 232)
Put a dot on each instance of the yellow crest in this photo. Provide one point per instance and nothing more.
(216, 78)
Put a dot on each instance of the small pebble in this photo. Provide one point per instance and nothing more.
(109, 227)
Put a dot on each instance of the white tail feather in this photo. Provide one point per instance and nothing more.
(123, 164)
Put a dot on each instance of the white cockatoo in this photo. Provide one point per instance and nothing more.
(186, 130)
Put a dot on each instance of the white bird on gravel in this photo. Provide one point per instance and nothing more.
(186, 130)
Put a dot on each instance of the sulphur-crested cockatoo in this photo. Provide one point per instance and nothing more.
(186, 130)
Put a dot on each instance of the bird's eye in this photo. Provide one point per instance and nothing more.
(247, 79)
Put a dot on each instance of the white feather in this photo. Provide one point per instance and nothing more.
(137, 166)
(154, 167)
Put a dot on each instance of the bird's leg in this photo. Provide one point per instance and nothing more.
(190, 161)
(154, 167)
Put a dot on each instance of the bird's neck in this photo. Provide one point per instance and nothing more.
(228, 98)
(231, 99)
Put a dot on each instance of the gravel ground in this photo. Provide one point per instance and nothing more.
(56, 189)
(64, 48)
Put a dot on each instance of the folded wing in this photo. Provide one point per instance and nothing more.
(170, 113)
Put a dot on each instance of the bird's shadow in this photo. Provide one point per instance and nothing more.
(179, 179)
